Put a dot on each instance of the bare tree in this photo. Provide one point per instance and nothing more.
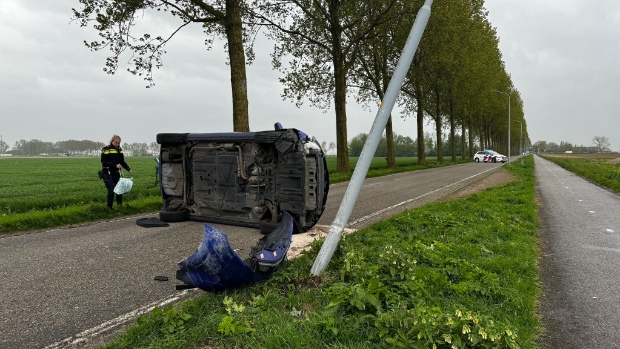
(601, 142)
(3, 147)
(154, 147)
(332, 146)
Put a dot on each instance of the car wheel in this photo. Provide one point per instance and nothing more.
(174, 216)
(171, 138)
(494, 159)
(477, 160)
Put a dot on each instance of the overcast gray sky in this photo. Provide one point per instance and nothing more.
(562, 56)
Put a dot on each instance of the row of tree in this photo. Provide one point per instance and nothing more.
(405, 146)
(73, 147)
(599, 144)
(328, 50)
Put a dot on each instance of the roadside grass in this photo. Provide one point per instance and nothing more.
(39, 193)
(458, 274)
(597, 170)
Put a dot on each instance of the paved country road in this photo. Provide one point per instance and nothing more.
(580, 266)
(72, 286)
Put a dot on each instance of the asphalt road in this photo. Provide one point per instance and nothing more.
(75, 286)
(580, 273)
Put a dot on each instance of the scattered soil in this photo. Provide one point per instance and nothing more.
(301, 242)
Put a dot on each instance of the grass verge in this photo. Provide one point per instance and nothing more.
(599, 171)
(459, 274)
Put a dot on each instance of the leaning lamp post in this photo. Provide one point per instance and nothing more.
(507, 94)
(374, 136)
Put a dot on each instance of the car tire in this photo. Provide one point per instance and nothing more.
(174, 216)
(171, 138)
(494, 160)
(477, 160)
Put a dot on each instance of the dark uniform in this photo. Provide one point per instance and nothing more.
(110, 157)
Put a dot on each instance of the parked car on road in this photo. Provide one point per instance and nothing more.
(243, 178)
(489, 156)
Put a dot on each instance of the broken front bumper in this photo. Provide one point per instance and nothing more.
(215, 265)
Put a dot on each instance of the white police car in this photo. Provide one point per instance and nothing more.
(489, 156)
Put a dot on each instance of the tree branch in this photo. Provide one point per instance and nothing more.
(221, 17)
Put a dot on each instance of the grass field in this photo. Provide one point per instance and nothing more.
(38, 193)
(602, 169)
(458, 274)
(28, 184)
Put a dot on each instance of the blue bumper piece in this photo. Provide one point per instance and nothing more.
(215, 266)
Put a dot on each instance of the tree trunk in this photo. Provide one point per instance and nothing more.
(438, 131)
(452, 141)
(340, 96)
(463, 143)
(487, 137)
(236, 54)
(389, 136)
(341, 123)
(420, 116)
(470, 135)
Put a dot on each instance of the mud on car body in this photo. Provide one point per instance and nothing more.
(243, 178)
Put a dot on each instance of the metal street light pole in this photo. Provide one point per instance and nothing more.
(361, 169)
(508, 122)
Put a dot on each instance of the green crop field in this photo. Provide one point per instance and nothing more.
(28, 184)
(37, 193)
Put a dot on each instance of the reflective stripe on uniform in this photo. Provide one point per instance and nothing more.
(111, 151)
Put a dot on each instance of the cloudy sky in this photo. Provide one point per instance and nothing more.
(562, 56)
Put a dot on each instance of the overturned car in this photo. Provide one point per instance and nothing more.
(243, 178)
(273, 180)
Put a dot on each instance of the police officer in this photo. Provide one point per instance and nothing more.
(112, 160)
